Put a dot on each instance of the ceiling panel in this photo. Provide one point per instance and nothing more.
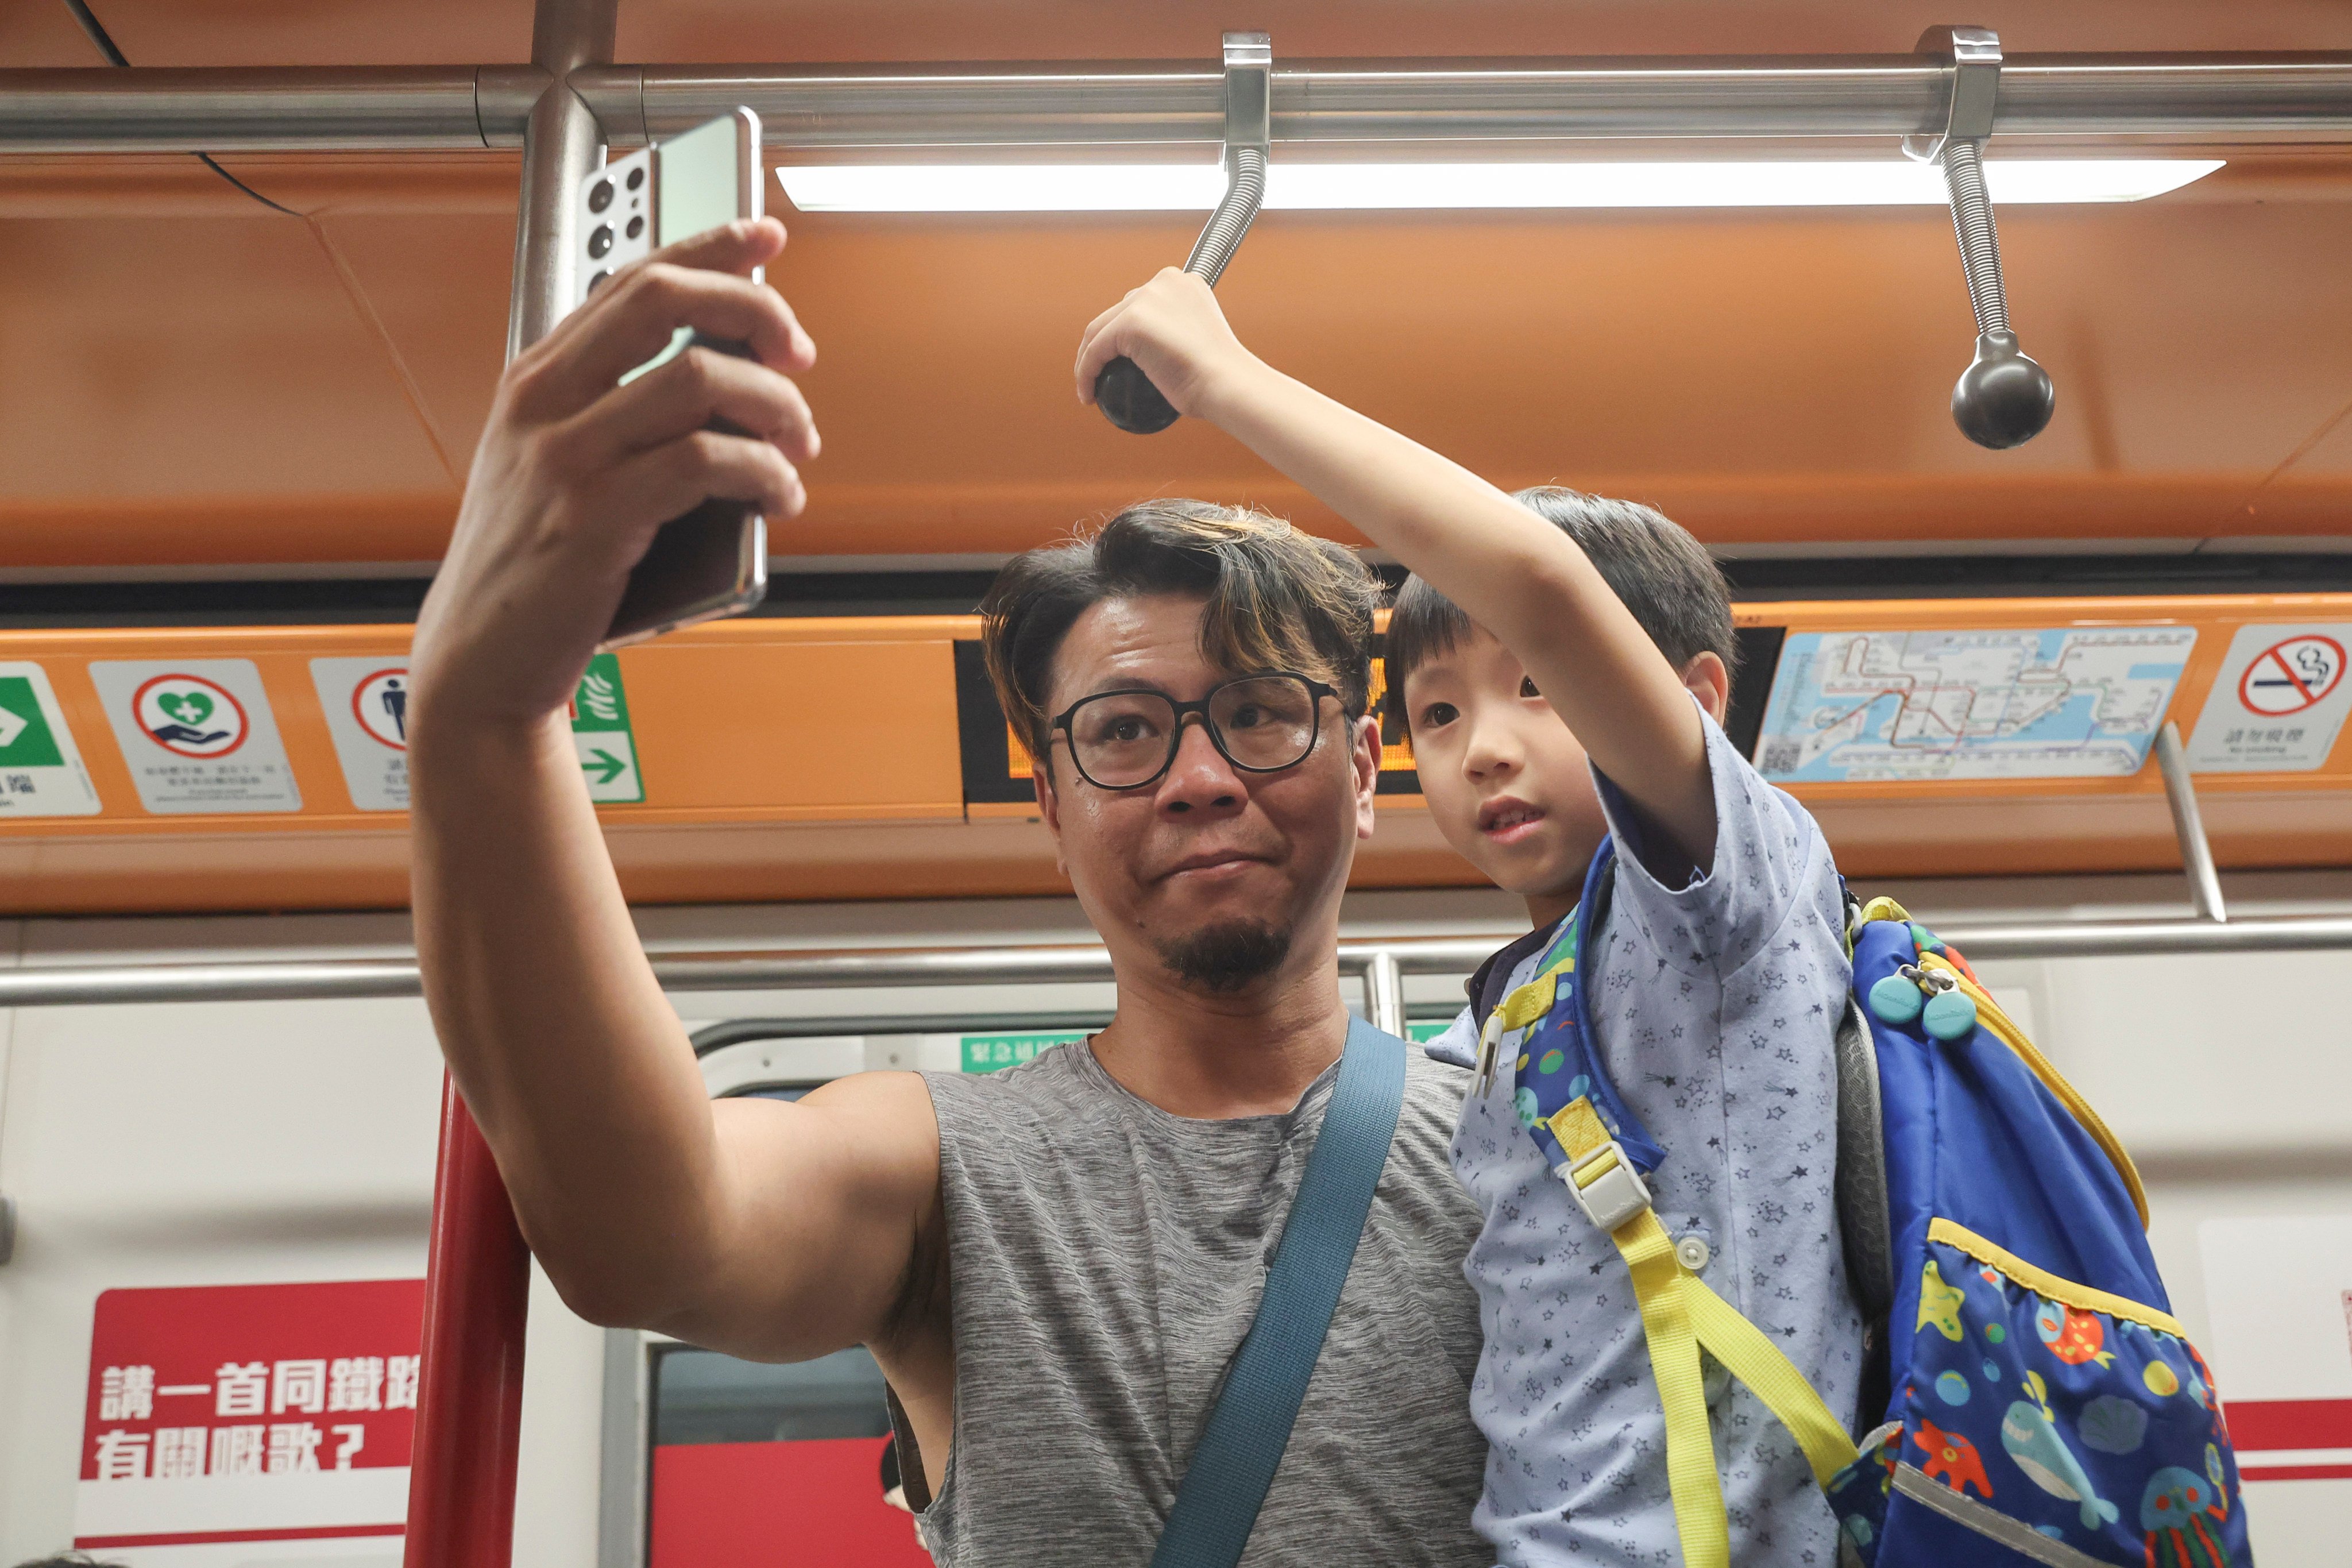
(145, 358)
(423, 32)
(185, 377)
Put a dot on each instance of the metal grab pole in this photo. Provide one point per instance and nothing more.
(461, 1490)
(2189, 825)
(2208, 99)
(461, 1481)
(1384, 993)
(110, 985)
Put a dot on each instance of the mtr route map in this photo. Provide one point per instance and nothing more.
(2067, 702)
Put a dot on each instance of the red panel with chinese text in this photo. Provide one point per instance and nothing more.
(248, 1413)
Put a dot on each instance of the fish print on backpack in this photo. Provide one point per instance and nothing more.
(2072, 1336)
(2030, 1435)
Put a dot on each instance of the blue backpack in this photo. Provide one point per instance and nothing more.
(2028, 1398)
(2040, 1404)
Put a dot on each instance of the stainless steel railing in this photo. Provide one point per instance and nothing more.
(2208, 98)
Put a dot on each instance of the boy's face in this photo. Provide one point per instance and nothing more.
(1504, 777)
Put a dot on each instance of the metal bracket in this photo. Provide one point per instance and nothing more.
(2003, 398)
(1249, 140)
(1974, 55)
(2188, 825)
(1249, 102)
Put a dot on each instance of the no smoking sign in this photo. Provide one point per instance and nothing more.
(2291, 676)
(2278, 703)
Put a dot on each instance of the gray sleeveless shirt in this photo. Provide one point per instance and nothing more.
(1106, 1259)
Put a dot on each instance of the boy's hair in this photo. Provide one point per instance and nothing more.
(1278, 599)
(1663, 576)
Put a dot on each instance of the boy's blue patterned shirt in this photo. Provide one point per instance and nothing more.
(1714, 1009)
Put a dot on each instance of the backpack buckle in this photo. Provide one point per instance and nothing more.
(1490, 1042)
(1607, 1187)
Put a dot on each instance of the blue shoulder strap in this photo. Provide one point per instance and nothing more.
(1240, 1449)
(1559, 1054)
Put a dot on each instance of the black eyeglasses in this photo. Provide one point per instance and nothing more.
(1260, 723)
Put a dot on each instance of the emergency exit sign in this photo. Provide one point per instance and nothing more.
(252, 1417)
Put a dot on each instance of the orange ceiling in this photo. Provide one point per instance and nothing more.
(466, 32)
(186, 377)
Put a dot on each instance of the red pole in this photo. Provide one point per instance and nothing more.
(461, 1483)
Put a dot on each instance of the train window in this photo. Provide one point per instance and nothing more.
(754, 1462)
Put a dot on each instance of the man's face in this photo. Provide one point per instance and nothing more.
(1505, 779)
(1222, 878)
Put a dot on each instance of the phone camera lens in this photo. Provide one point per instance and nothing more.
(600, 195)
(636, 178)
(601, 241)
(636, 226)
(599, 280)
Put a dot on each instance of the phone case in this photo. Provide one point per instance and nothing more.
(713, 561)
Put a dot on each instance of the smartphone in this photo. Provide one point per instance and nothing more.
(713, 561)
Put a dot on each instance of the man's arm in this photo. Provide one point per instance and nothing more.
(777, 1230)
(1509, 570)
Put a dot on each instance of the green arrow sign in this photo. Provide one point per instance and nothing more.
(602, 734)
(25, 738)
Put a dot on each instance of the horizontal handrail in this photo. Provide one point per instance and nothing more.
(2210, 97)
(69, 985)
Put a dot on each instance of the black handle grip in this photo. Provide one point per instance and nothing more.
(2003, 399)
(1129, 401)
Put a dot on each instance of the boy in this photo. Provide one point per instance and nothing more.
(1716, 982)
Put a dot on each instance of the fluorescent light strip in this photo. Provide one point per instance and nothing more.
(1195, 187)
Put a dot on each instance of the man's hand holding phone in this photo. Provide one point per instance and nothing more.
(575, 473)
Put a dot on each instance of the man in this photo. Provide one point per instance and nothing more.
(1054, 1265)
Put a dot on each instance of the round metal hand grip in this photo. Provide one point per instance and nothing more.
(2003, 399)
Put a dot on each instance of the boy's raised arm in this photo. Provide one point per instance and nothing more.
(777, 1230)
(1509, 570)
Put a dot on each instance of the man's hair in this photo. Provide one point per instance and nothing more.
(1276, 600)
(1663, 576)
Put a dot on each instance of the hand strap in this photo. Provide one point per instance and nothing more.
(1240, 1449)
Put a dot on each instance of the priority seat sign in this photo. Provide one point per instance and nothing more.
(2278, 703)
(197, 734)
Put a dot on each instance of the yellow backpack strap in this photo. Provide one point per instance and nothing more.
(1884, 908)
(1523, 1007)
(1681, 1315)
(1532, 1001)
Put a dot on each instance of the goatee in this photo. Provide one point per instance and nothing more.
(1223, 959)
